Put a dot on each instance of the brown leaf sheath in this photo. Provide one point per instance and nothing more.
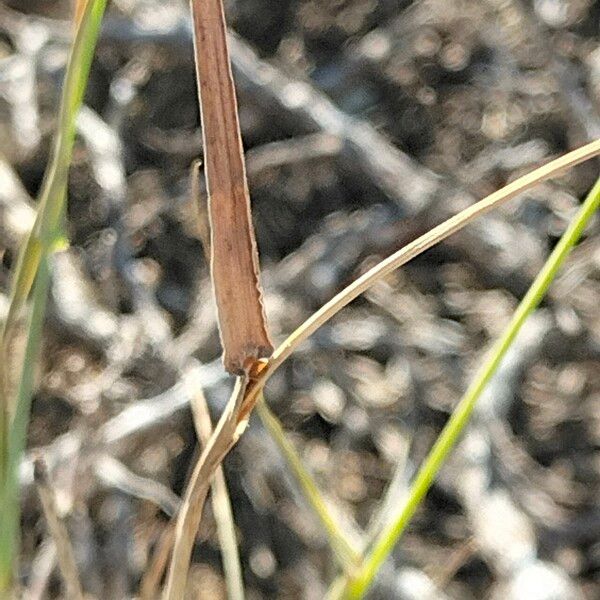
(234, 256)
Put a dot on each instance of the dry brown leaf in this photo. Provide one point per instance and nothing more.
(234, 256)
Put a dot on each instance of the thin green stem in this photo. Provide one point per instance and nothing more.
(356, 587)
(52, 196)
(348, 556)
(44, 238)
(10, 513)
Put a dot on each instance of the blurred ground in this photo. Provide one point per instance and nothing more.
(366, 122)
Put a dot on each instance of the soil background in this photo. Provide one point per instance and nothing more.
(366, 122)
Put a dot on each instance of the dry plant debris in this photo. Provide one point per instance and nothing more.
(457, 88)
(234, 256)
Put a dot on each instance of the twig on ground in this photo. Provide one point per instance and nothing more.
(390, 169)
(136, 418)
(112, 472)
(18, 84)
(394, 172)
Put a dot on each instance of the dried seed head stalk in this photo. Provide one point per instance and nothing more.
(234, 256)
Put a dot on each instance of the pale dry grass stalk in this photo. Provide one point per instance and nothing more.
(221, 505)
(150, 584)
(58, 531)
(406, 254)
(222, 440)
(78, 10)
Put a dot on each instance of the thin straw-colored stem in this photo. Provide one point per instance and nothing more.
(227, 433)
(357, 587)
(224, 437)
(221, 506)
(407, 253)
(58, 530)
(158, 563)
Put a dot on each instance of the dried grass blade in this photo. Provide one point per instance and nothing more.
(157, 565)
(235, 418)
(78, 12)
(234, 256)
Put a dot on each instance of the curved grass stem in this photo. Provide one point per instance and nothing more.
(406, 254)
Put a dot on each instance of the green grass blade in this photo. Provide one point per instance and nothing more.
(357, 587)
(32, 266)
(52, 195)
(10, 512)
(348, 556)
